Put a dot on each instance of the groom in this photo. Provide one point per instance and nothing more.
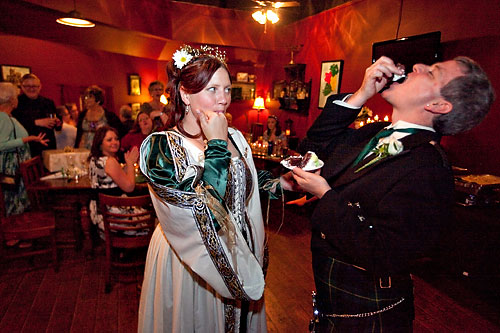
(381, 210)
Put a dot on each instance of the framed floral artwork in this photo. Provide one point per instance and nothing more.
(331, 75)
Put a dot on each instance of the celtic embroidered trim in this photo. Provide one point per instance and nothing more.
(201, 214)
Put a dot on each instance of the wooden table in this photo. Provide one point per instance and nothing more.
(271, 163)
(71, 198)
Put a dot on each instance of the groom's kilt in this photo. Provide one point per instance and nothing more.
(349, 298)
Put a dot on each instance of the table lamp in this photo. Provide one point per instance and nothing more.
(258, 128)
(258, 105)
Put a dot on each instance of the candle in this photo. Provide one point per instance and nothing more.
(376, 117)
(361, 123)
(287, 132)
(386, 118)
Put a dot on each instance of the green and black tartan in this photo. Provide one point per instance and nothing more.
(351, 300)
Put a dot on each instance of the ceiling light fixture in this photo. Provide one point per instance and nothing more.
(272, 16)
(75, 19)
(262, 16)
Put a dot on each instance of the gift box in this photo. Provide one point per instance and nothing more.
(58, 159)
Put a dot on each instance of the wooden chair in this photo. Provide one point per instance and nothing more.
(257, 130)
(29, 226)
(31, 171)
(116, 224)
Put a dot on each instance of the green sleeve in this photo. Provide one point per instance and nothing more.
(268, 183)
(7, 141)
(161, 167)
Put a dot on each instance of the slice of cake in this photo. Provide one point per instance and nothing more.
(308, 162)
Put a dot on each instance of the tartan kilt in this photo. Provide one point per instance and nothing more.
(344, 289)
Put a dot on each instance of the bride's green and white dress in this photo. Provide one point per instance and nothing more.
(204, 269)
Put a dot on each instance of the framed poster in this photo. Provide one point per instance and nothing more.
(136, 107)
(13, 74)
(134, 85)
(331, 75)
(241, 77)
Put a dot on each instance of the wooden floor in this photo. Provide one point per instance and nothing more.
(36, 299)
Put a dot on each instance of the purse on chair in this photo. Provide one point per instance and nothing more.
(9, 181)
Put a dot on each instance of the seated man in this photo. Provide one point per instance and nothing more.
(126, 120)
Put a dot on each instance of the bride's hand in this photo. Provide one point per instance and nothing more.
(213, 124)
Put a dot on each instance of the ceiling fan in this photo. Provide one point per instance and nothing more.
(276, 4)
(267, 10)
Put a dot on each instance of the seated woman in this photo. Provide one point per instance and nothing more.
(143, 126)
(273, 132)
(93, 117)
(106, 173)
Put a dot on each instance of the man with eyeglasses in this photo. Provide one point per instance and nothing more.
(36, 113)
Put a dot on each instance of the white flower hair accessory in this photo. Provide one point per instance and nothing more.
(181, 58)
(187, 53)
(390, 147)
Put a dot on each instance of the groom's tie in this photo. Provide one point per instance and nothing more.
(382, 134)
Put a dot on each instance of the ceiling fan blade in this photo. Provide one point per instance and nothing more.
(260, 3)
(286, 4)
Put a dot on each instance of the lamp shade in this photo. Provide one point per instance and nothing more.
(272, 16)
(259, 16)
(258, 104)
(75, 19)
(163, 99)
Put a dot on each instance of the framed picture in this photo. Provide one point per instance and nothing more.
(331, 75)
(134, 85)
(11, 73)
(279, 89)
(136, 107)
(242, 77)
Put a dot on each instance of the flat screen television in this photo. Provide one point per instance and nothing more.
(425, 49)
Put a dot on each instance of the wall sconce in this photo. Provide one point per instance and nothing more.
(75, 19)
(258, 105)
(164, 99)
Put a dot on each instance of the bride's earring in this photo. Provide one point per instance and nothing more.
(188, 108)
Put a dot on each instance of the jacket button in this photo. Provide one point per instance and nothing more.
(323, 236)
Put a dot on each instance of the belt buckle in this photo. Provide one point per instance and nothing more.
(382, 284)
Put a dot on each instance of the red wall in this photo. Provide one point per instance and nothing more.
(469, 27)
(56, 64)
(347, 32)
